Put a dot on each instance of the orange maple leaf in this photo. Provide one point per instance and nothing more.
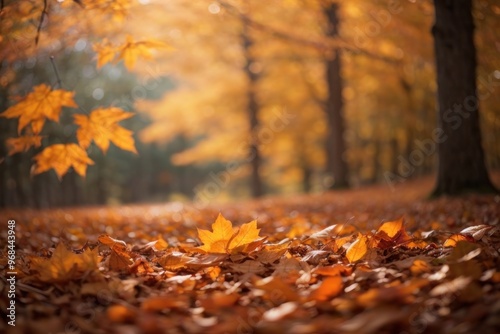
(101, 127)
(41, 104)
(61, 157)
(225, 238)
(129, 52)
(64, 265)
(357, 249)
(23, 143)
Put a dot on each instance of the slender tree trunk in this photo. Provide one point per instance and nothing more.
(376, 161)
(307, 174)
(335, 143)
(461, 158)
(254, 156)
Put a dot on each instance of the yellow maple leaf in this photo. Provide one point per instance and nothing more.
(23, 143)
(225, 238)
(357, 249)
(41, 104)
(64, 265)
(61, 157)
(101, 127)
(105, 53)
(129, 52)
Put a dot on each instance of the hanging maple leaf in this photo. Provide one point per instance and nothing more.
(64, 265)
(61, 157)
(101, 127)
(41, 104)
(129, 52)
(225, 238)
(23, 143)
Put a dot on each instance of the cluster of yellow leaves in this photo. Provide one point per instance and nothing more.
(129, 52)
(44, 103)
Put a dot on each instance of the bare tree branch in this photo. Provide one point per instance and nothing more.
(44, 13)
(327, 45)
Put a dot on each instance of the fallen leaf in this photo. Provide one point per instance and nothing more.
(477, 232)
(121, 314)
(225, 239)
(455, 238)
(419, 267)
(357, 249)
(335, 270)
(280, 312)
(330, 287)
(64, 265)
(166, 302)
(453, 286)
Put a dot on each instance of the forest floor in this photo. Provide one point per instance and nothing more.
(370, 260)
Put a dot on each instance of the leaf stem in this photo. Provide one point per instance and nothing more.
(59, 82)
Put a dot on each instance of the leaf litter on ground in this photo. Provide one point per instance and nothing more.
(345, 262)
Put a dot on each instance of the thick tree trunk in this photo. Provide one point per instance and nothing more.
(461, 158)
(335, 143)
(254, 156)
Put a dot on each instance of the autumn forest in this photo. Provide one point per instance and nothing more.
(231, 166)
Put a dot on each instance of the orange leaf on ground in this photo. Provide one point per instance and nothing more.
(392, 228)
(335, 270)
(120, 314)
(455, 238)
(64, 265)
(225, 238)
(330, 287)
(357, 249)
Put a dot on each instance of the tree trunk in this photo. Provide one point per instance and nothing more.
(254, 156)
(335, 143)
(461, 158)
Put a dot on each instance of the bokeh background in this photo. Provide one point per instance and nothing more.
(237, 77)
